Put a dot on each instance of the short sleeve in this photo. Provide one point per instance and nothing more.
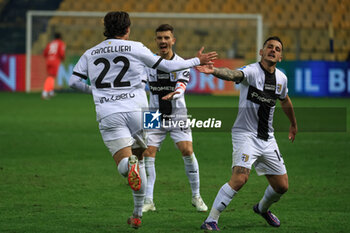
(248, 72)
(284, 92)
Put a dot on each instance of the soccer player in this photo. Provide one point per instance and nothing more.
(261, 84)
(116, 68)
(54, 54)
(167, 95)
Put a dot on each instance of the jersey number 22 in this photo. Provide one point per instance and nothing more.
(118, 80)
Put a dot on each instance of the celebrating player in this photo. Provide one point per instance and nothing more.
(167, 95)
(252, 133)
(54, 54)
(116, 68)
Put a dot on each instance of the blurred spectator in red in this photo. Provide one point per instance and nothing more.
(54, 54)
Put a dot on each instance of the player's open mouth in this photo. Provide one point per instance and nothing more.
(163, 46)
(271, 55)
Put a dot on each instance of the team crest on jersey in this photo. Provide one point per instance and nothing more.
(151, 119)
(173, 77)
(279, 87)
(245, 157)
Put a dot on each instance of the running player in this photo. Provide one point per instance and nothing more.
(261, 84)
(167, 95)
(116, 68)
(54, 54)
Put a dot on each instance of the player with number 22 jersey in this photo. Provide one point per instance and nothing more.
(116, 68)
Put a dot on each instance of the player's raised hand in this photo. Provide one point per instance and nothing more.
(170, 96)
(207, 69)
(206, 58)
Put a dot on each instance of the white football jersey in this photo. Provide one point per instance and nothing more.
(162, 83)
(259, 91)
(116, 69)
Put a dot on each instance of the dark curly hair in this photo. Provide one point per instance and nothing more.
(116, 23)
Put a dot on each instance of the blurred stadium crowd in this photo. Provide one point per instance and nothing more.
(310, 29)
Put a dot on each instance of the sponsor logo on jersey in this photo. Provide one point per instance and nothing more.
(163, 76)
(245, 157)
(186, 74)
(113, 98)
(269, 87)
(171, 76)
(155, 89)
(260, 97)
(151, 119)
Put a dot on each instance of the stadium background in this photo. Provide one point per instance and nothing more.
(57, 176)
(315, 34)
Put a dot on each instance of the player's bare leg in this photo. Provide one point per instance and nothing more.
(149, 156)
(278, 185)
(129, 165)
(121, 154)
(278, 182)
(239, 177)
(192, 172)
(225, 195)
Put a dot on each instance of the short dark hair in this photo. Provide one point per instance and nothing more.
(273, 38)
(57, 35)
(164, 28)
(116, 23)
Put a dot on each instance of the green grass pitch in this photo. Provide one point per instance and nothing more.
(57, 176)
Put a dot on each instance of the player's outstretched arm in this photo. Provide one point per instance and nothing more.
(222, 73)
(207, 69)
(206, 58)
(228, 74)
(288, 109)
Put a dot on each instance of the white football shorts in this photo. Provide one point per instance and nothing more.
(157, 136)
(121, 130)
(249, 150)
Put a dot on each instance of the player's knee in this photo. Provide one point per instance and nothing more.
(146, 153)
(279, 183)
(282, 188)
(186, 151)
(243, 179)
(237, 182)
(149, 153)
